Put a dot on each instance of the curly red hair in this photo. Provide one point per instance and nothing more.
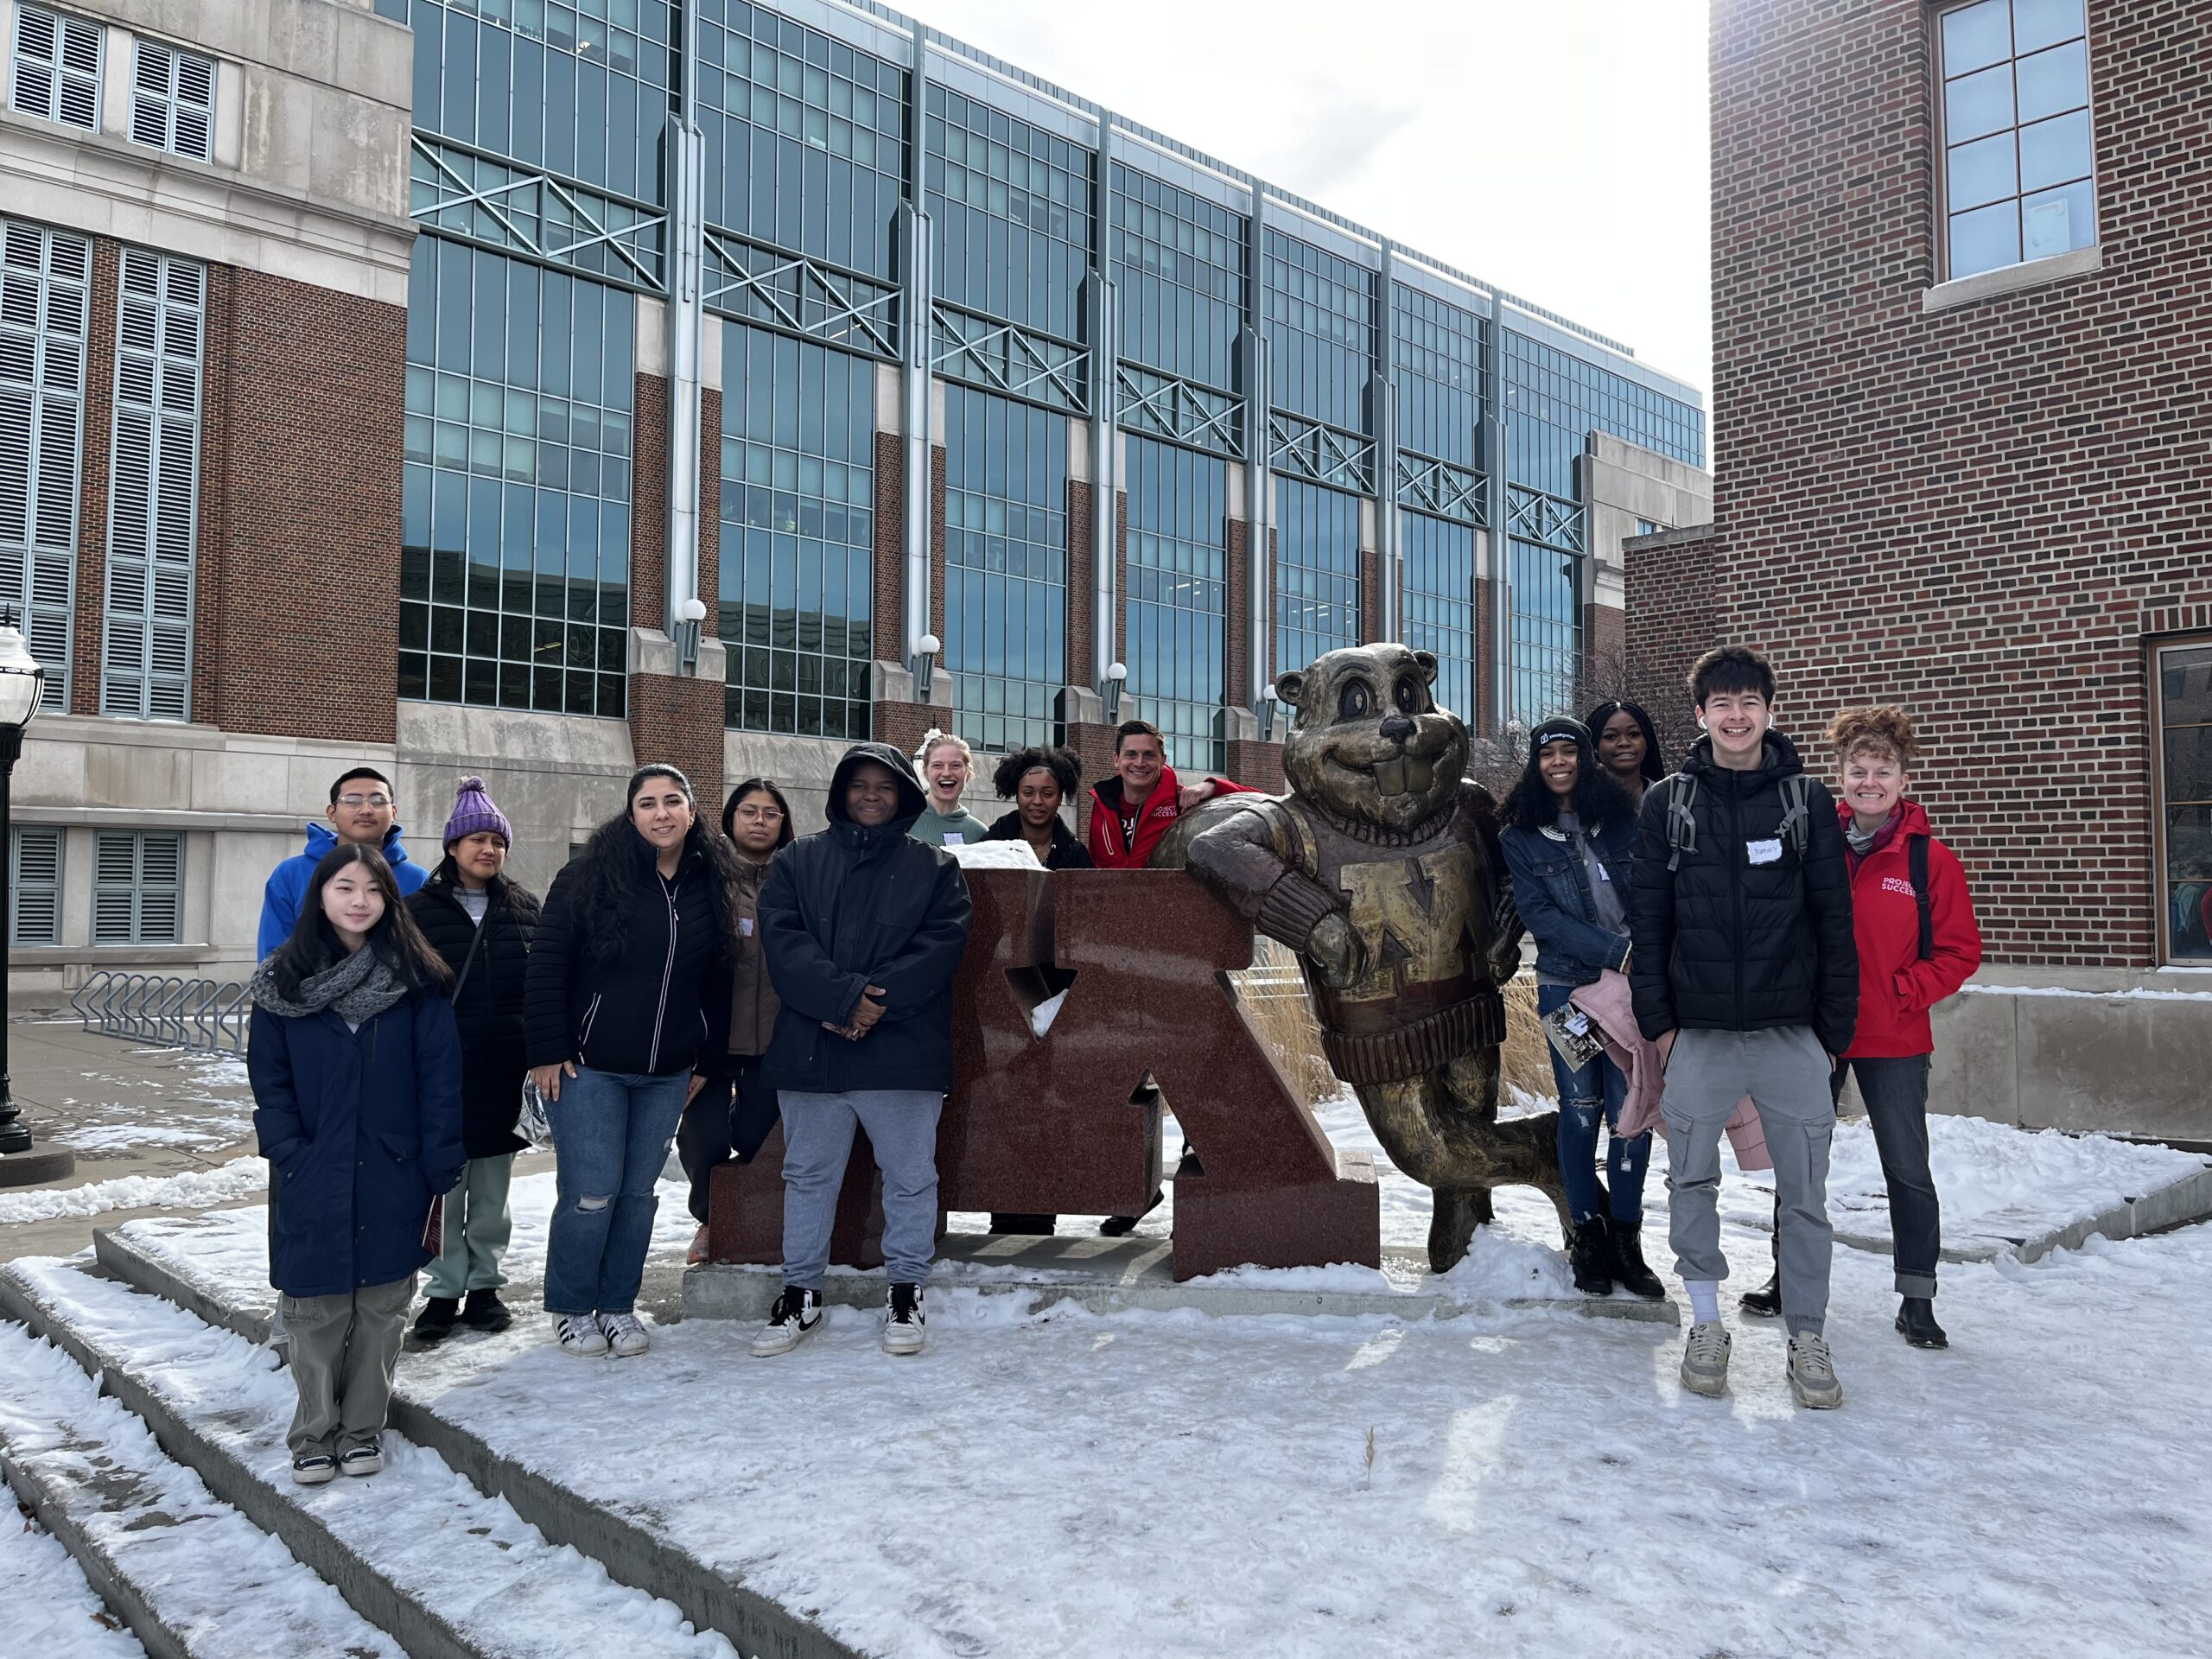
(1886, 730)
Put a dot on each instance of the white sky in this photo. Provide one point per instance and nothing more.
(1558, 148)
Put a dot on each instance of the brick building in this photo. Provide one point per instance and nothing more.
(1962, 315)
(399, 380)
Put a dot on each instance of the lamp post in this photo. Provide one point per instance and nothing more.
(1116, 674)
(689, 616)
(22, 681)
(926, 653)
(1269, 701)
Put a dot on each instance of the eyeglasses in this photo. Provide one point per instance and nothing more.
(364, 800)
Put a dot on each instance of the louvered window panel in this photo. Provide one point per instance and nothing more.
(173, 100)
(153, 494)
(137, 886)
(44, 276)
(57, 68)
(34, 878)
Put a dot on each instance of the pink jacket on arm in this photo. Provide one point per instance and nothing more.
(1607, 1003)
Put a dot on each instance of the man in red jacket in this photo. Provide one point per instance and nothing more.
(1131, 810)
(1897, 869)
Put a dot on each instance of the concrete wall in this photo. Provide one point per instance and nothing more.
(1625, 483)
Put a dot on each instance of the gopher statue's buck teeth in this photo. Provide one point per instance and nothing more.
(1391, 777)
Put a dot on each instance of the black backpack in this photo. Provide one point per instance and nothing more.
(1915, 858)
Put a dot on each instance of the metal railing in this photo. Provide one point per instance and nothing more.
(167, 1011)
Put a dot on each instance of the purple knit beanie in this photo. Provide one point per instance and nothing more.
(473, 811)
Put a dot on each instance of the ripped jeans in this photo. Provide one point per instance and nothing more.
(610, 1131)
(1597, 1087)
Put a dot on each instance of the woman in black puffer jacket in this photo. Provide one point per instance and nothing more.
(625, 1017)
(480, 923)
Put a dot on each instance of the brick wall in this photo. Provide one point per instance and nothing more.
(889, 626)
(298, 602)
(649, 505)
(1237, 655)
(678, 720)
(1082, 584)
(1984, 512)
(711, 509)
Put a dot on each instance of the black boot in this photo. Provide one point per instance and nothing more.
(1629, 1267)
(1591, 1257)
(435, 1322)
(1765, 1302)
(485, 1312)
(1917, 1323)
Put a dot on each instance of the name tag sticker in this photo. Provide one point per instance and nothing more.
(745, 927)
(1602, 876)
(1764, 852)
(954, 838)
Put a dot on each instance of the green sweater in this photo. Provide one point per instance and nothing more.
(960, 828)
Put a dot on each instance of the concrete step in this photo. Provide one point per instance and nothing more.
(187, 1261)
(191, 1576)
(445, 1571)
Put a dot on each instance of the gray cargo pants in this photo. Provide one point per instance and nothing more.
(344, 1350)
(1785, 1072)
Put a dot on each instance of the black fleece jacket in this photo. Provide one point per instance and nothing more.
(1745, 935)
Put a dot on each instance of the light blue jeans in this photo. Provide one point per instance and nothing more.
(902, 1125)
(610, 1131)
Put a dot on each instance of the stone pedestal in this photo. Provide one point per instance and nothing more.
(745, 1209)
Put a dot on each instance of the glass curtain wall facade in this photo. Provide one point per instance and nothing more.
(1437, 358)
(1177, 586)
(1316, 572)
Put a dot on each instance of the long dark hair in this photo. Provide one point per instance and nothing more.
(1597, 798)
(618, 865)
(764, 787)
(314, 945)
(1653, 767)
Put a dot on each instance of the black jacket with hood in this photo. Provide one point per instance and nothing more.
(850, 906)
(1067, 853)
(1732, 942)
(487, 1007)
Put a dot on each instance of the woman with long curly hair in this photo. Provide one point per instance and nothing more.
(1039, 781)
(625, 1017)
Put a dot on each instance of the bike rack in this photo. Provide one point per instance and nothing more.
(165, 1011)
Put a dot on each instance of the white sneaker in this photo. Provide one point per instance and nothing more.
(905, 1321)
(1705, 1358)
(1812, 1373)
(796, 1316)
(579, 1333)
(626, 1334)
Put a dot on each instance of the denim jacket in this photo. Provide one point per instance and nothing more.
(1551, 889)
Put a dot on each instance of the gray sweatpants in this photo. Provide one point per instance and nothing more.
(902, 1125)
(1785, 1072)
(344, 1350)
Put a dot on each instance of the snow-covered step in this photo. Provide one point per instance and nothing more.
(447, 1572)
(192, 1577)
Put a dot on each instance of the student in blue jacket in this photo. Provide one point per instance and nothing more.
(360, 814)
(356, 1071)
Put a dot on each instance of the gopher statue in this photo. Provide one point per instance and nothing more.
(1380, 869)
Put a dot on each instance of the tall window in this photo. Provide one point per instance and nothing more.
(1178, 526)
(1013, 207)
(2018, 172)
(137, 886)
(1178, 263)
(1439, 601)
(173, 100)
(1439, 370)
(1316, 572)
(44, 277)
(153, 497)
(2183, 713)
(798, 498)
(57, 68)
(515, 536)
(1006, 579)
(1546, 631)
(35, 884)
(1321, 332)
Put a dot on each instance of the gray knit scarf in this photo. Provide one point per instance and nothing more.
(357, 986)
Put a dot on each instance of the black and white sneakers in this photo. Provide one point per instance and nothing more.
(315, 1469)
(796, 1316)
(904, 1320)
(366, 1459)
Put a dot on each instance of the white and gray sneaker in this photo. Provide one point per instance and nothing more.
(1812, 1373)
(904, 1320)
(626, 1335)
(1705, 1358)
(796, 1316)
(579, 1333)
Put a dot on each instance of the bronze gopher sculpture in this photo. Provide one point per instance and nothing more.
(1381, 869)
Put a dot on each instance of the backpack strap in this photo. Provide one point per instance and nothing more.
(1682, 820)
(1796, 821)
(1916, 854)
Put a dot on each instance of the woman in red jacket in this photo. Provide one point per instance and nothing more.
(1900, 874)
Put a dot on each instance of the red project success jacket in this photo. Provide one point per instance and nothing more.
(1896, 988)
(1162, 809)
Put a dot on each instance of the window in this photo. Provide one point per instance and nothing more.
(1178, 263)
(2182, 710)
(1177, 602)
(34, 879)
(173, 100)
(137, 886)
(44, 278)
(1320, 327)
(1440, 601)
(2018, 179)
(57, 68)
(152, 500)
(797, 551)
(1012, 208)
(1316, 572)
(1546, 631)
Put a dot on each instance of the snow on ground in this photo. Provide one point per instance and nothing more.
(195, 1189)
(201, 1102)
(51, 1611)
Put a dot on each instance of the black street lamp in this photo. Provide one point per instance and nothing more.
(23, 681)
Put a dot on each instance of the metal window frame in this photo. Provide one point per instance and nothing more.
(56, 67)
(639, 246)
(143, 563)
(1938, 159)
(2155, 651)
(1226, 694)
(138, 888)
(17, 885)
(41, 619)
